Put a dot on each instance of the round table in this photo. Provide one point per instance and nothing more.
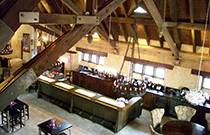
(178, 127)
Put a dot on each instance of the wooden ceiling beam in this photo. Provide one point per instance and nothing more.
(179, 25)
(126, 16)
(54, 28)
(72, 7)
(133, 6)
(9, 23)
(146, 33)
(113, 30)
(122, 29)
(198, 38)
(43, 60)
(103, 34)
(46, 6)
(123, 10)
(174, 17)
(159, 21)
(191, 7)
(52, 19)
(194, 26)
(41, 7)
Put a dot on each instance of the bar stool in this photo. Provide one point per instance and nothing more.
(22, 107)
(11, 117)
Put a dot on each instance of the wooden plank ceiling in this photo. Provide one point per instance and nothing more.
(179, 21)
(183, 19)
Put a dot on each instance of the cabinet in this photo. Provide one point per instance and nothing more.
(148, 100)
(94, 83)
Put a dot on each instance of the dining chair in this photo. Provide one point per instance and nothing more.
(156, 115)
(207, 117)
(184, 112)
(153, 132)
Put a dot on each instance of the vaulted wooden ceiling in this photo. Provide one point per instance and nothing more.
(178, 21)
(184, 19)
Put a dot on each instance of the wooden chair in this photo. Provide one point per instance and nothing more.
(153, 132)
(207, 117)
(157, 115)
(184, 112)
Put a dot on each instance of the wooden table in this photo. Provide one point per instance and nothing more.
(178, 127)
(54, 126)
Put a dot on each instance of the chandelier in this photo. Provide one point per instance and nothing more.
(129, 86)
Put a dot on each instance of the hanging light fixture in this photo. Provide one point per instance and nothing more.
(129, 86)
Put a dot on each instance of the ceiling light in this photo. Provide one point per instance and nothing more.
(140, 10)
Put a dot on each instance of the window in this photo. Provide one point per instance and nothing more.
(206, 83)
(86, 57)
(138, 68)
(140, 10)
(101, 60)
(149, 70)
(160, 72)
(94, 58)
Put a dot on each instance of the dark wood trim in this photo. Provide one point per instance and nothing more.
(92, 52)
(202, 73)
(146, 62)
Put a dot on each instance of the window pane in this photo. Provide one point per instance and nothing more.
(138, 68)
(94, 58)
(149, 70)
(206, 83)
(86, 57)
(160, 72)
(101, 60)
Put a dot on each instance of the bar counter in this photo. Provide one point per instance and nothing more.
(89, 104)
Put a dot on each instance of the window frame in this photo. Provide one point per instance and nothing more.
(97, 59)
(203, 83)
(90, 58)
(83, 56)
(136, 71)
(145, 69)
(156, 71)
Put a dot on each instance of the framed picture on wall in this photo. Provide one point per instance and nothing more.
(26, 42)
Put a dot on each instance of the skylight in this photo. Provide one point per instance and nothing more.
(140, 10)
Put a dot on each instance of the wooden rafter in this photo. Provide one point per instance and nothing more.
(174, 17)
(198, 37)
(43, 60)
(41, 7)
(146, 33)
(179, 25)
(126, 16)
(52, 19)
(59, 31)
(46, 6)
(11, 19)
(159, 21)
(103, 34)
(191, 7)
(132, 7)
(72, 6)
(123, 30)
